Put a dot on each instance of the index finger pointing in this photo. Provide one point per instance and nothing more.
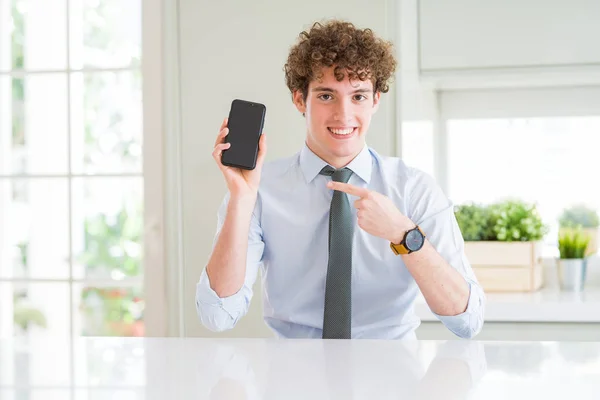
(348, 188)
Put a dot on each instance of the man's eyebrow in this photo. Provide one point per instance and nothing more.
(363, 90)
(326, 89)
(323, 89)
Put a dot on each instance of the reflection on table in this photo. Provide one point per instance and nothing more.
(219, 369)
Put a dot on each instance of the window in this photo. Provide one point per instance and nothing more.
(549, 161)
(71, 183)
(537, 144)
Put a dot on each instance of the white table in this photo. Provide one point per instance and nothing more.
(230, 369)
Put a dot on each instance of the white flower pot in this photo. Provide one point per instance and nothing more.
(571, 274)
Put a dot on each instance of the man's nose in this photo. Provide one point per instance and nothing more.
(343, 110)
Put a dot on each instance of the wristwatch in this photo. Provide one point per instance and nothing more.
(413, 240)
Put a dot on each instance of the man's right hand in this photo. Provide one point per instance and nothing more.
(240, 182)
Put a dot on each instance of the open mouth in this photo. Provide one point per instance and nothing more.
(343, 133)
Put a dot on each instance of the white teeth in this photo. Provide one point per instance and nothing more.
(342, 131)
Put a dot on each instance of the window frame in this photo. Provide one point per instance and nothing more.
(152, 174)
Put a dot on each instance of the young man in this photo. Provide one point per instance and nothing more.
(345, 236)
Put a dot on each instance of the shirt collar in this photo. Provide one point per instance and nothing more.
(311, 164)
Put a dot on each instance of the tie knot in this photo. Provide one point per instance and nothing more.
(337, 175)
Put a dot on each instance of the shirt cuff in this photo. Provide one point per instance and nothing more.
(233, 305)
(466, 323)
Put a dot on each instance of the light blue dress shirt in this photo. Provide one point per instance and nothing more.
(288, 241)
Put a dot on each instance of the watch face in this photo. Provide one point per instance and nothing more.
(414, 240)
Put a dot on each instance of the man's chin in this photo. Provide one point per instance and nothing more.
(348, 151)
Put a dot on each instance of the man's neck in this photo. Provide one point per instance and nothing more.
(335, 162)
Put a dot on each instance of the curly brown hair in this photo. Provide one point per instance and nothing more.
(356, 51)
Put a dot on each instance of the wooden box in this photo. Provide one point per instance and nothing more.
(593, 245)
(507, 266)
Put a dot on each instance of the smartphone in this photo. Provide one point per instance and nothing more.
(246, 120)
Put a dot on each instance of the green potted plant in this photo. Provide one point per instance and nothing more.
(475, 222)
(25, 317)
(579, 215)
(503, 243)
(572, 246)
(517, 221)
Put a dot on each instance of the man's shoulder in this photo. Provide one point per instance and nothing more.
(394, 167)
(404, 176)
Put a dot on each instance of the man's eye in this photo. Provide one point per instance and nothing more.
(322, 97)
(360, 97)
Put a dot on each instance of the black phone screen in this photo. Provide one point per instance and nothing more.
(245, 127)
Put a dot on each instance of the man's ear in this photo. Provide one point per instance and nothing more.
(376, 99)
(299, 101)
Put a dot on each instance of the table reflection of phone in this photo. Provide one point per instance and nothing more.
(246, 120)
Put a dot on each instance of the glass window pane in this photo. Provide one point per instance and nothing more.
(37, 39)
(106, 120)
(549, 161)
(34, 233)
(6, 125)
(34, 140)
(417, 145)
(35, 309)
(109, 311)
(6, 35)
(107, 227)
(105, 33)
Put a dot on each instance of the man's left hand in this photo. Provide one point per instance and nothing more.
(376, 213)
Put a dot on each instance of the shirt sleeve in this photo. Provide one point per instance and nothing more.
(222, 313)
(431, 209)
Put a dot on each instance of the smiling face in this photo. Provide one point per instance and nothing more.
(338, 115)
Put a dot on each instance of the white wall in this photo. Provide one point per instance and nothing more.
(489, 44)
(237, 49)
(469, 34)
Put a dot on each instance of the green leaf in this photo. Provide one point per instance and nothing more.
(579, 215)
(474, 222)
(24, 317)
(510, 220)
(572, 243)
(516, 220)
